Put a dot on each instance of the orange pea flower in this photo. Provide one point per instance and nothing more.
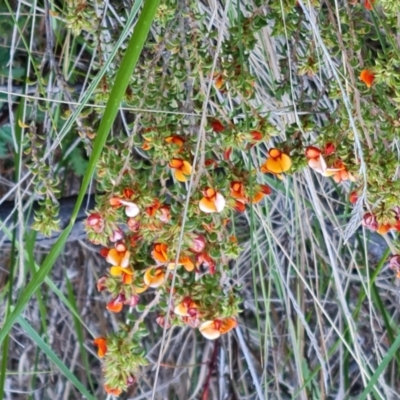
(277, 162)
(317, 162)
(120, 263)
(154, 277)
(342, 174)
(131, 209)
(237, 191)
(189, 312)
(384, 228)
(185, 261)
(186, 307)
(218, 81)
(101, 344)
(182, 169)
(367, 77)
(159, 253)
(175, 139)
(214, 329)
(146, 145)
(239, 206)
(113, 391)
(262, 190)
(152, 210)
(116, 305)
(212, 201)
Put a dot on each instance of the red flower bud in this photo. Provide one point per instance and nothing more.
(329, 149)
(198, 244)
(132, 301)
(101, 284)
(227, 153)
(104, 252)
(239, 206)
(394, 262)
(133, 224)
(353, 197)
(256, 135)
(128, 193)
(217, 126)
(369, 221)
(96, 222)
(161, 320)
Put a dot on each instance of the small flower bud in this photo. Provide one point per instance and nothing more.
(96, 222)
(116, 235)
(369, 221)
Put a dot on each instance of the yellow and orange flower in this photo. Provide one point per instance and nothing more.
(175, 139)
(112, 391)
(182, 169)
(218, 80)
(116, 305)
(342, 173)
(152, 210)
(367, 77)
(262, 190)
(120, 265)
(160, 253)
(185, 261)
(101, 344)
(237, 191)
(186, 307)
(277, 162)
(154, 277)
(146, 144)
(384, 228)
(214, 329)
(212, 201)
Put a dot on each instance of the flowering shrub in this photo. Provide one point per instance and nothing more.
(164, 216)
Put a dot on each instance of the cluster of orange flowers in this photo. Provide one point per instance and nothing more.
(316, 160)
(126, 282)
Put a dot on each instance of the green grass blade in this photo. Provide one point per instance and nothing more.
(127, 67)
(79, 332)
(53, 357)
(374, 378)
